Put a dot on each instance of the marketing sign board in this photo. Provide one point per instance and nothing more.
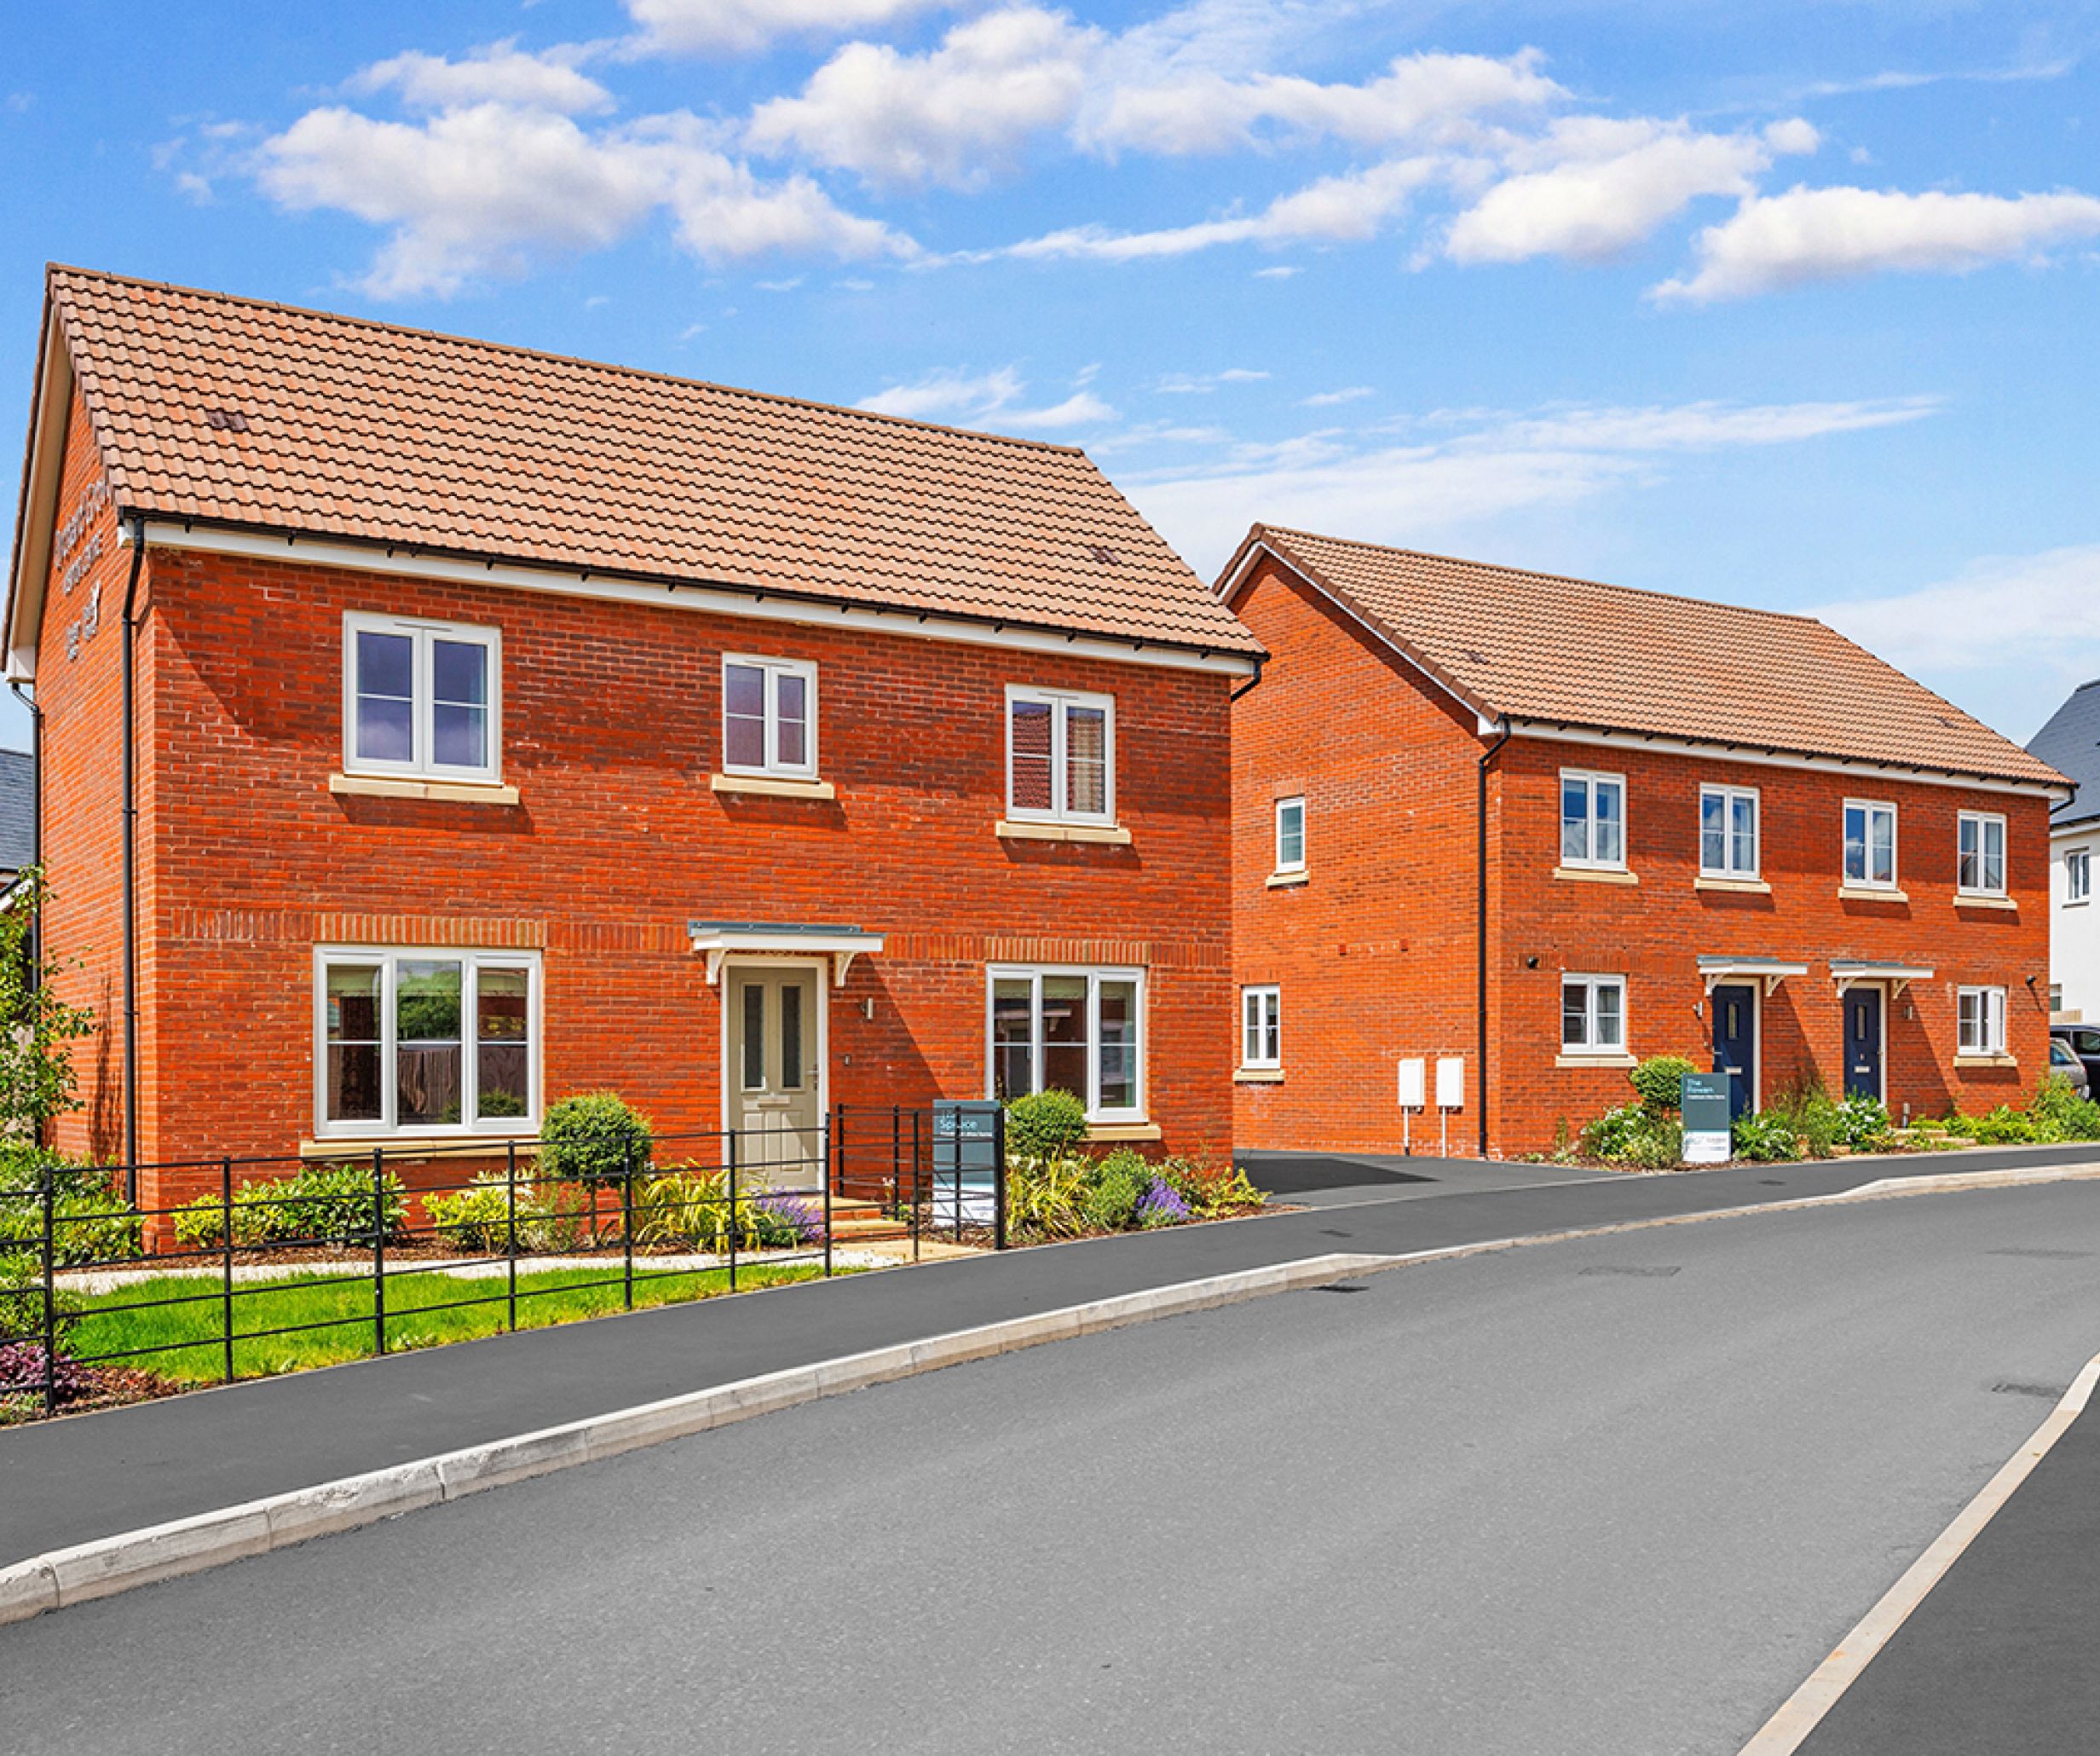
(1707, 1139)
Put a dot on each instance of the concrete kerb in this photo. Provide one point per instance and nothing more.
(116, 1564)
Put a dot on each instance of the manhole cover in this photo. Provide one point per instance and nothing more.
(1636, 1273)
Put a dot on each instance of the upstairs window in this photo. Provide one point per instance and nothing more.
(2077, 875)
(769, 716)
(1870, 845)
(1593, 819)
(421, 698)
(1061, 756)
(1290, 835)
(1728, 832)
(1260, 1027)
(1979, 864)
(1980, 1021)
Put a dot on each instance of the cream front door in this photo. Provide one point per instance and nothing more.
(773, 1076)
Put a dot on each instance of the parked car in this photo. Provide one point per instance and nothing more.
(2075, 1060)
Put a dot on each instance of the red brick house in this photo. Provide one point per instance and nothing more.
(503, 725)
(1539, 827)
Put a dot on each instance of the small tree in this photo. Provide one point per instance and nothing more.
(594, 1137)
(36, 1076)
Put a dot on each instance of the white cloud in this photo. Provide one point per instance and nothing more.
(1081, 409)
(1825, 235)
(1592, 188)
(1281, 271)
(738, 26)
(499, 73)
(1379, 487)
(949, 392)
(953, 115)
(1182, 383)
(1334, 399)
(1334, 209)
(1419, 97)
(2016, 634)
(486, 188)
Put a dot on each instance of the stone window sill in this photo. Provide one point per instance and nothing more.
(391, 786)
(1285, 880)
(1963, 899)
(403, 1146)
(1738, 887)
(772, 786)
(1112, 833)
(1987, 1061)
(1595, 1060)
(1112, 1131)
(1595, 874)
(1871, 893)
(1258, 1076)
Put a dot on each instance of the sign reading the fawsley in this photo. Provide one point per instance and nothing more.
(1705, 1101)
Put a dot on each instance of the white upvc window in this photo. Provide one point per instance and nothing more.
(769, 716)
(1593, 819)
(1728, 832)
(1980, 1020)
(1260, 1027)
(411, 1041)
(1290, 835)
(1069, 1029)
(1870, 844)
(1979, 850)
(422, 698)
(1061, 756)
(2078, 874)
(1593, 1015)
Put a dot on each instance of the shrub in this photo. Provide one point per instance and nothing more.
(2002, 1127)
(594, 1137)
(21, 1303)
(782, 1222)
(1657, 1144)
(1766, 1137)
(1161, 1205)
(1863, 1121)
(324, 1204)
(22, 1372)
(1659, 1081)
(1047, 1196)
(480, 1218)
(686, 1206)
(1117, 1183)
(90, 1221)
(2062, 1113)
(1045, 1124)
(1610, 1135)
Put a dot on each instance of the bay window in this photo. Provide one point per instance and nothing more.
(1071, 1029)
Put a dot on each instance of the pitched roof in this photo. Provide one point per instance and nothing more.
(17, 809)
(1547, 650)
(2070, 743)
(235, 412)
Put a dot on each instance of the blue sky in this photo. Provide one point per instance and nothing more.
(1790, 304)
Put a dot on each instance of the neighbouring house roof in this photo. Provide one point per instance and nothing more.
(1548, 651)
(17, 811)
(2070, 743)
(236, 412)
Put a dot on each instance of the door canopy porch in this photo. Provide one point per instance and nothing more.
(717, 939)
(1767, 971)
(1847, 974)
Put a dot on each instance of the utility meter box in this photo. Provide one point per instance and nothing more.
(1451, 1082)
(1414, 1083)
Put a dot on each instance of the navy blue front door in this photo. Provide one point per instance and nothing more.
(1735, 1045)
(1863, 1043)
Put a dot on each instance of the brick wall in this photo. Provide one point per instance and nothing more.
(611, 732)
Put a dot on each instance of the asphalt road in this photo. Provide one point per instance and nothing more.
(1614, 1496)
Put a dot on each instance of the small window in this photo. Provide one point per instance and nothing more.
(1728, 832)
(1593, 819)
(1260, 1027)
(1593, 1015)
(420, 698)
(1071, 1029)
(424, 1042)
(1980, 868)
(1061, 756)
(1980, 1020)
(2077, 875)
(1290, 835)
(769, 716)
(1870, 845)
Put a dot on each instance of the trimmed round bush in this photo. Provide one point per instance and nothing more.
(1044, 1124)
(1659, 1081)
(594, 1137)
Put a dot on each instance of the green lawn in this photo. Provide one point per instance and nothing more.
(194, 1331)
